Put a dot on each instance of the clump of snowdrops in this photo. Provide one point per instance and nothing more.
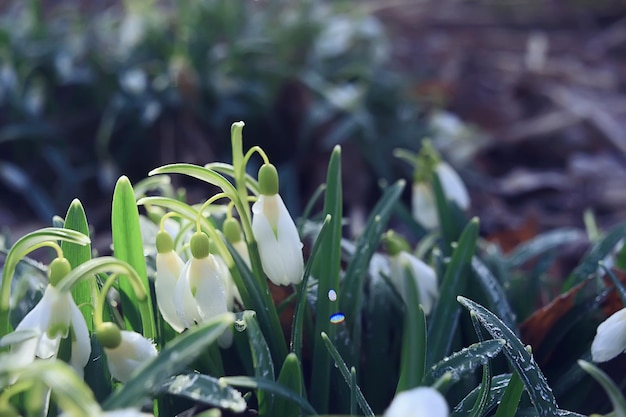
(231, 306)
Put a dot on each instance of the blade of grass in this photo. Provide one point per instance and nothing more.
(299, 310)
(343, 369)
(327, 271)
(290, 376)
(613, 392)
(519, 358)
(498, 387)
(171, 360)
(128, 246)
(270, 386)
(352, 287)
(413, 360)
(205, 389)
(541, 244)
(84, 291)
(444, 318)
(511, 397)
(262, 361)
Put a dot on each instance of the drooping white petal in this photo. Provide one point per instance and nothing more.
(169, 267)
(133, 351)
(423, 205)
(184, 301)
(453, 186)
(210, 292)
(418, 402)
(279, 245)
(81, 343)
(425, 277)
(610, 338)
(232, 292)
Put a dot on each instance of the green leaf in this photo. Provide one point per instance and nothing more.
(290, 376)
(535, 382)
(444, 318)
(326, 268)
(301, 302)
(353, 281)
(20, 249)
(498, 302)
(205, 389)
(613, 392)
(464, 361)
(541, 244)
(84, 292)
(128, 246)
(510, 399)
(598, 251)
(227, 169)
(345, 372)
(272, 387)
(171, 360)
(413, 360)
(261, 359)
(497, 387)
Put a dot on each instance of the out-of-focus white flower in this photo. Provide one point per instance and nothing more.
(279, 245)
(424, 205)
(200, 293)
(418, 402)
(52, 318)
(133, 351)
(126, 412)
(168, 266)
(425, 277)
(610, 338)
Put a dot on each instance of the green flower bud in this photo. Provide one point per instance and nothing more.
(164, 242)
(58, 269)
(268, 180)
(109, 335)
(200, 245)
(232, 230)
(395, 243)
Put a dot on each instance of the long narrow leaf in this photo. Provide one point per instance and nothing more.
(326, 269)
(614, 393)
(444, 318)
(261, 359)
(84, 291)
(205, 389)
(498, 386)
(345, 372)
(290, 376)
(511, 397)
(535, 382)
(128, 246)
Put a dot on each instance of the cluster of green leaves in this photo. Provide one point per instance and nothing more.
(468, 347)
(81, 94)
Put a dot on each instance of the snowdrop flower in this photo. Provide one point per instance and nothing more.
(423, 203)
(168, 266)
(200, 293)
(53, 318)
(125, 351)
(280, 247)
(399, 260)
(610, 338)
(418, 402)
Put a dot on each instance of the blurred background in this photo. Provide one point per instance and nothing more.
(525, 99)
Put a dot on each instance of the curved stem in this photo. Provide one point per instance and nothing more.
(102, 296)
(207, 204)
(252, 151)
(166, 216)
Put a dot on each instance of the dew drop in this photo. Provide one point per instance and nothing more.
(240, 325)
(332, 295)
(337, 318)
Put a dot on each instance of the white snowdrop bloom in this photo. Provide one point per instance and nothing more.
(52, 318)
(418, 402)
(200, 293)
(279, 245)
(453, 186)
(133, 351)
(610, 338)
(425, 277)
(423, 203)
(168, 268)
